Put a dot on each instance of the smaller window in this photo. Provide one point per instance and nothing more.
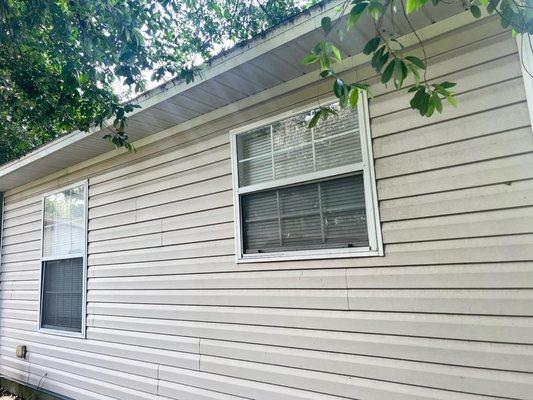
(63, 261)
(305, 193)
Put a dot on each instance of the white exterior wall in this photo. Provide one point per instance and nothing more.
(445, 314)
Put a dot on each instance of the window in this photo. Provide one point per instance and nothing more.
(63, 261)
(305, 193)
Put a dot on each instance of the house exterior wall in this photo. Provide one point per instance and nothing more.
(445, 314)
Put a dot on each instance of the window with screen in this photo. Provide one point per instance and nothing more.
(63, 260)
(305, 192)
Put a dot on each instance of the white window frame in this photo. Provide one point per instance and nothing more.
(375, 247)
(526, 61)
(82, 255)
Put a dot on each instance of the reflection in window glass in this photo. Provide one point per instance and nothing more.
(64, 222)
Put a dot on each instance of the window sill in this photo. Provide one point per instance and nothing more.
(80, 335)
(309, 255)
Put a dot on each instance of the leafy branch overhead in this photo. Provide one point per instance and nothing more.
(389, 58)
(63, 62)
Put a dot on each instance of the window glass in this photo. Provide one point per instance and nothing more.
(289, 148)
(62, 294)
(321, 215)
(64, 226)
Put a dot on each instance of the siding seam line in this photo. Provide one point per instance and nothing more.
(158, 380)
(346, 286)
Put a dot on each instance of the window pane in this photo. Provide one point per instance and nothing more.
(62, 294)
(326, 214)
(344, 214)
(296, 150)
(345, 120)
(296, 161)
(64, 222)
(337, 151)
(261, 222)
(300, 216)
(254, 150)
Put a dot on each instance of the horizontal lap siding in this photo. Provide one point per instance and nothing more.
(446, 314)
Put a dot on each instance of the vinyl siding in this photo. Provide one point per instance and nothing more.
(445, 314)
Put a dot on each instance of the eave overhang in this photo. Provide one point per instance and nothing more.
(245, 75)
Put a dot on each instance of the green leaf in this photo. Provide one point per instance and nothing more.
(382, 61)
(343, 100)
(375, 8)
(326, 73)
(424, 104)
(416, 61)
(437, 101)
(372, 45)
(361, 86)
(417, 98)
(447, 85)
(309, 59)
(415, 73)
(476, 12)
(451, 100)
(355, 13)
(353, 97)
(359, 8)
(414, 5)
(430, 107)
(492, 5)
(484, 2)
(338, 88)
(325, 63)
(315, 118)
(335, 52)
(326, 24)
(387, 74)
(400, 73)
(376, 57)
(319, 47)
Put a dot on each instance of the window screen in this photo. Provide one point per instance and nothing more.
(325, 214)
(62, 294)
(63, 255)
(300, 188)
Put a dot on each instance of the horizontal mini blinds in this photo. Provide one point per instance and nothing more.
(62, 294)
(307, 212)
(327, 214)
(288, 148)
(64, 226)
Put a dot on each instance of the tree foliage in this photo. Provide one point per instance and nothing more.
(388, 56)
(60, 60)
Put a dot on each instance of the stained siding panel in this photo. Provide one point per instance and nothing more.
(445, 314)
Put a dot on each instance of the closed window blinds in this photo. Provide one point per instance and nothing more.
(62, 294)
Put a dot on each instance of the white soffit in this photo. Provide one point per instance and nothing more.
(244, 71)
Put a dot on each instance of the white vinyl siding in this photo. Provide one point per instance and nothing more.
(63, 260)
(445, 314)
(305, 192)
